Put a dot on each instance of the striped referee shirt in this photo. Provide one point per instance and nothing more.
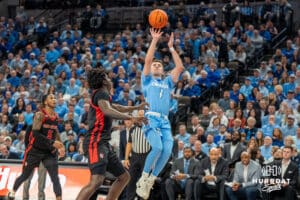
(138, 140)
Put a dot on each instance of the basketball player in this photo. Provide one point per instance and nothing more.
(42, 147)
(157, 91)
(96, 145)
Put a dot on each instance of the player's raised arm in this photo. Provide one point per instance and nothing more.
(156, 34)
(177, 60)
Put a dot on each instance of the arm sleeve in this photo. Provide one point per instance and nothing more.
(42, 142)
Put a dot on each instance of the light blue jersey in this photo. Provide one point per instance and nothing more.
(157, 93)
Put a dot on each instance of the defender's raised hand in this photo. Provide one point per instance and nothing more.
(171, 40)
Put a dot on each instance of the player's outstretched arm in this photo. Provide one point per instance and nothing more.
(106, 108)
(156, 34)
(124, 109)
(177, 60)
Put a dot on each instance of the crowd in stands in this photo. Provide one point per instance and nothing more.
(262, 112)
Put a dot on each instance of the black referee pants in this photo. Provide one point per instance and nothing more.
(136, 167)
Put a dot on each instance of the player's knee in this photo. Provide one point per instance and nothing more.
(157, 149)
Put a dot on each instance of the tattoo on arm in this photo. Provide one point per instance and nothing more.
(37, 121)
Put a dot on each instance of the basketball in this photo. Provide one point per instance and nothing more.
(158, 18)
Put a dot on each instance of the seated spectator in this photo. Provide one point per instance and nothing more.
(237, 126)
(250, 128)
(271, 112)
(297, 139)
(204, 117)
(71, 150)
(220, 138)
(219, 114)
(20, 124)
(203, 81)
(234, 93)
(68, 131)
(231, 110)
(224, 102)
(213, 75)
(245, 172)
(183, 135)
(268, 128)
(238, 114)
(263, 89)
(195, 123)
(232, 151)
(5, 153)
(182, 175)
(290, 128)
(72, 89)
(246, 89)
(289, 172)
(291, 101)
(200, 134)
(198, 154)
(277, 137)
(288, 141)
(290, 85)
(214, 129)
(266, 149)
(71, 114)
(211, 176)
(209, 144)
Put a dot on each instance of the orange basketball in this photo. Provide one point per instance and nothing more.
(158, 18)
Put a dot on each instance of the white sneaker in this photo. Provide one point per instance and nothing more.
(145, 187)
(11, 196)
(140, 185)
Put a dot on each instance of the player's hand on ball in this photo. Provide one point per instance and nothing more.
(58, 144)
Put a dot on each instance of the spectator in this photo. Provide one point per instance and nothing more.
(205, 117)
(290, 128)
(183, 135)
(209, 144)
(68, 130)
(277, 137)
(291, 101)
(211, 176)
(182, 176)
(244, 173)
(198, 153)
(5, 153)
(270, 126)
(232, 151)
(288, 190)
(250, 129)
(266, 149)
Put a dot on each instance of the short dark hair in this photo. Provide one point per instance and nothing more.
(288, 147)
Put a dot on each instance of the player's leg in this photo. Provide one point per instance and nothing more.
(146, 181)
(97, 157)
(167, 143)
(26, 187)
(116, 168)
(42, 172)
(87, 191)
(29, 163)
(51, 164)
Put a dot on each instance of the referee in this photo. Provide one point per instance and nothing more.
(138, 147)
